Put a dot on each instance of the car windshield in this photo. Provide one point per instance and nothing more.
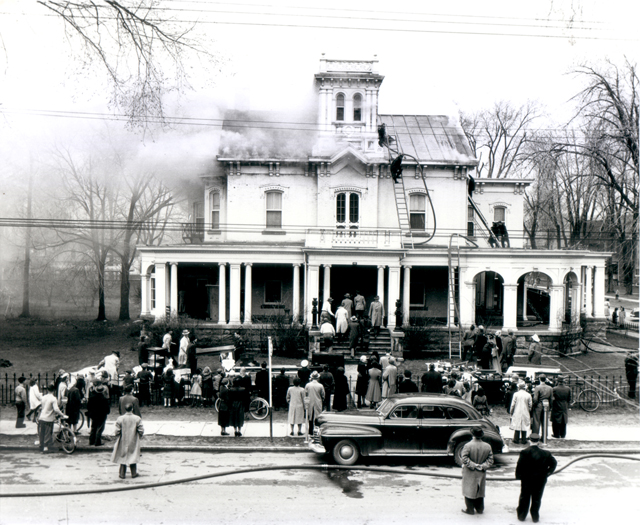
(385, 407)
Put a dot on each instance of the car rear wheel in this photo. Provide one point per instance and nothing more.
(346, 452)
(457, 452)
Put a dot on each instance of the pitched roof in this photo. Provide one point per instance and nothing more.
(432, 139)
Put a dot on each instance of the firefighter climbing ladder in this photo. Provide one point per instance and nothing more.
(403, 213)
(486, 233)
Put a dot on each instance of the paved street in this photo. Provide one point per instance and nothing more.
(591, 491)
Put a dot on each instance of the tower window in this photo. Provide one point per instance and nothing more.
(357, 107)
(340, 107)
(347, 210)
(274, 209)
(214, 201)
(499, 213)
(417, 205)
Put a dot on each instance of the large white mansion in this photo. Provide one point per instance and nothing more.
(297, 211)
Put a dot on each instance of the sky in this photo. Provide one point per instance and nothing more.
(437, 58)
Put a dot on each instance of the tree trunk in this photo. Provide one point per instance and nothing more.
(27, 255)
(125, 287)
(102, 314)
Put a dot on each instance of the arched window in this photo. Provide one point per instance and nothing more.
(274, 209)
(357, 107)
(340, 107)
(214, 205)
(417, 213)
(499, 214)
(347, 210)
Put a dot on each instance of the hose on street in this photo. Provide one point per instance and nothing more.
(323, 467)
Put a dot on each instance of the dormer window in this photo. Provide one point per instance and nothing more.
(340, 107)
(357, 107)
(348, 210)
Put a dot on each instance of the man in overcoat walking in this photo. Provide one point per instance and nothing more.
(560, 408)
(533, 468)
(126, 451)
(477, 458)
(314, 393)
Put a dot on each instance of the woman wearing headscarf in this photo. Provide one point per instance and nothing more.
(207, 386)
(340, 390)
(237, 397)
(521, 414)
(223, 409)
(374, 392)
(295, 399)
(535, 355)
(362, 383)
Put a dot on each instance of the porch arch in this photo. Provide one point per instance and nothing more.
(534, 298)
(489, 286)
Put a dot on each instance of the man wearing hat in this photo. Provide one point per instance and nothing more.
(354, 334)
(315, 393)
(360, 304)
(520, 411)
(542, 396)
(347, 303)
(560, 408)
(184, 346)
(533, 468)
(508, 350)
(477, 458)
(376, 315)
(144, 384)
(535, 355)
(479, 343)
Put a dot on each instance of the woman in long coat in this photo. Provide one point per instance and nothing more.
(362, 383)
(207, 386)
(223, 410)
(236, 405)
(129, 432)
(374, 392)
(521, 414)
(376, 313)
(342, 322)
(341, 390)
(295, 399)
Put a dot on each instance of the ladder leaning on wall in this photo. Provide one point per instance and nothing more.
(403, 213)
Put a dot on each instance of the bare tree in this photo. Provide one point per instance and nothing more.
(141, 48)
(147, 208)
(498, 137)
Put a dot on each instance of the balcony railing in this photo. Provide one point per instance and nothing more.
(192, 232)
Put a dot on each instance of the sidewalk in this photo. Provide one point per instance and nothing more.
(185, 435)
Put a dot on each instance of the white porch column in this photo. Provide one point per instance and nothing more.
(394, 294)
(234, 294)
(296, 293)
(144, 294)
(311, 293)
(380, 289)
(173, 297)
(160, 311)
(598, 291)
(510, 306)
(524, 300)
(406, 296)
(556, 306)
(467, 303)
(248, 291)
(589, 291)
(222, 293)
(326, 290)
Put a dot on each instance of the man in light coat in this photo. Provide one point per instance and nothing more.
(314, 392)
(184, 346)
(360, 304)
(390, 378)
(535, 354)
(477, 458)
(520, 411)
(126, 451)
(376, 315)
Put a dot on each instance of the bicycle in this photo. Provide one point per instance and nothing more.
(64, 435)
(258, 407)
(588, 399)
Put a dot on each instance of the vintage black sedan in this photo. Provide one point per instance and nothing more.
(403, 425)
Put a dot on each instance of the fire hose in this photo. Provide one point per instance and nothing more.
(324, 467)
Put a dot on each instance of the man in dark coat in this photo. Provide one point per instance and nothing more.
(262, 381)
(533, 468)
(129, 398)
(542, 396)
(468, 341)
(327, 381)
(280, 386)
(144, 382)
(304, 373)
(406, 385)
(560, 408)
(508, 350)
(143, 350)
(432, 381)
(98, 408)
(481, 340)
(354, 334)
(631, 370)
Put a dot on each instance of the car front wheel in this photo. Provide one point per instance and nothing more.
(346, 452)
(457, 452)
